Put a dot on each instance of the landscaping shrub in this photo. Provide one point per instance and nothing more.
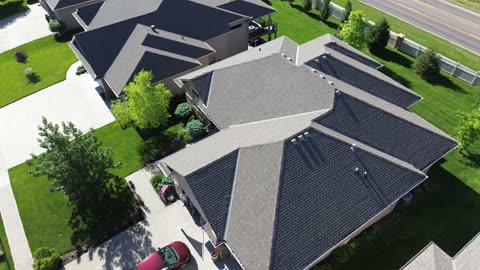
(340, 255)
(10, 7)
(32, 77)
(183, 110)
(80, 70)
(372, 232)
(46, 259)
(161, 145)
(307, 5)
(325, 12)
(159, 179)
(378, 37)
(427, 65)
(354, 244)
(21, 57)
(56, 26)
(346, 12)
(353, 30)
(195, 128)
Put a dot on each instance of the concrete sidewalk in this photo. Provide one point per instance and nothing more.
(23, 27)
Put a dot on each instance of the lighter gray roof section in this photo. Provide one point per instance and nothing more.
(311, 49)
(221, 143)
(252, 216)
(469, 257)
(121, 10)
(211, 3)
(430, 258)
(292, 90)
(259, 52)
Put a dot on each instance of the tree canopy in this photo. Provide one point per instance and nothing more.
(346, 12)
(378, 37)
(468, 130)
(325, 11)
(353, 30)
(145, 106)
(427, 65)
(56, 26)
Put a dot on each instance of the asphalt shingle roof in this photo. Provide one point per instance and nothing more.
(87, 13)
(362, 80)
(384, 131)
(57, 4)
(201, 86)
(322, 199)
(176, 47)
(212, 186)
(247, 9)
(354, 55)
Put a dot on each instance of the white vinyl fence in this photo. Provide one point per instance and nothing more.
(414, 49)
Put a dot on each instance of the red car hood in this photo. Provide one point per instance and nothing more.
(152, 262)
(182, 250)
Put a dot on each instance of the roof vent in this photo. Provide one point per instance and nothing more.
(152, 27)
(301, 138)
(307, 134)
(328, 53)
(289, 59)
(365, 174)
(357, 170)
(317, 60)
(354, 147)
(337, 91)
(334, 41)
(284, 55)
(294, 141)
(322, 76)
(330, 82)
(324, 57)
(259, 49)
(314, 70)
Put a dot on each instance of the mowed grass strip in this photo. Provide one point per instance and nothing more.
(48, 58)
(8, 263)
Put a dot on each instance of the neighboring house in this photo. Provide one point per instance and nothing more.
(434, 258)
(314, 145)
(168, 37)
(62, 10)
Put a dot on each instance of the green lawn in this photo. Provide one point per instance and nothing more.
(48, 58)
(45, 214)
(8, 264)
(426, 39)
(448, 213)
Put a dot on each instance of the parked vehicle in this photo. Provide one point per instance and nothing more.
(170, 257)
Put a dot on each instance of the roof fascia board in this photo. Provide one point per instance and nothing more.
(231, 196)
(83, 60)
(79, 20)
(76, 5)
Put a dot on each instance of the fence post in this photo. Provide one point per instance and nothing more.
(455, 68)
(398, 41)
(418, 51)
(314, 4)
(475, 78)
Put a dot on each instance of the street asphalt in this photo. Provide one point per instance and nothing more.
(439, 17)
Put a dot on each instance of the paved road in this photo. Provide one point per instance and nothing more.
(443, 19)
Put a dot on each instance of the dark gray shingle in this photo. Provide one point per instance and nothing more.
(87, 13)
(356, 56)
(201, 86)
(385, 132)
(247, 9)
(175, 47)
(322, 199)
(363, 80)
(212, 186)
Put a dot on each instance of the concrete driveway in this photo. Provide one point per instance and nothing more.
(23, 27)
(162, 226)
(74, 100)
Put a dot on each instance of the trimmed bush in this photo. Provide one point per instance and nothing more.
(346, 12)
(80, 70)
(325, 12)
(378, 37)
(307, 5)
(56, 26)
(21, 57)
(427, 66)
(46, 259)
(194, 128)
(340, 255)
(183, 110)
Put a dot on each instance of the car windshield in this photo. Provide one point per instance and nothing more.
(168, 255)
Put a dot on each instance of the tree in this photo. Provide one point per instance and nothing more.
(468, 130)
(56, 26)
(195, 128)
(307, 5)
(346, 12)
(353, 30)
(378, 37)
(21, 57)
(427, 65)
(183, 110)
(325, 12)
(74, 163)
(46, 259)
(145, 106)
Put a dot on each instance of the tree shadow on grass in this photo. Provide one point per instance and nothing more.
(447, 214)
(445, 81)
(116, 212)
(67, 35)
(392, 74)
(395, 57)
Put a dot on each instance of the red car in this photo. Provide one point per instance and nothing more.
(173, 256)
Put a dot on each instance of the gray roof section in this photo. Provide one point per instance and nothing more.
(248, 92)
(469, 257)
(58, 4)
(250, 227)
